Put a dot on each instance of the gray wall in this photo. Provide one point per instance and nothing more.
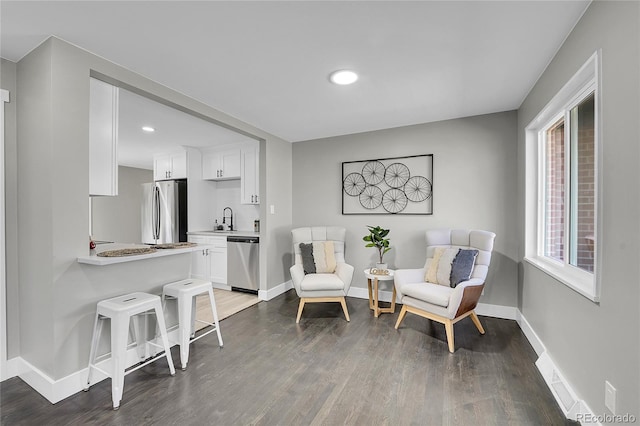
(118, 218)
(278, 184)
(39, 180)
(57, 295)
(474, 186)
(8, 82)
(592, 342)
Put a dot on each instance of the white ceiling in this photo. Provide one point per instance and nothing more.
(173, 128)
(267, 62)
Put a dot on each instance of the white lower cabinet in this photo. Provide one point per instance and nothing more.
(210, 263)
(218, 256)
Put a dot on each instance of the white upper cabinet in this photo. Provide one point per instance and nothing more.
(250, 174)
(221, 163)
(170, 166)
(103, 138)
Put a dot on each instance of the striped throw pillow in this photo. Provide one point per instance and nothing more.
(450, 266)
(318, 257)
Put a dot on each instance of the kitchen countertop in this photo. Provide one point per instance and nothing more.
(96, 260)
(225, 233)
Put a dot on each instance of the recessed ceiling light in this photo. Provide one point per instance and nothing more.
(343, 77)
(148, 129)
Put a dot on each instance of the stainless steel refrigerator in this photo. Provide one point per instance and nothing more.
(164, 212)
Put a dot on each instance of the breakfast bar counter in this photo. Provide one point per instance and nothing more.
(109, 254)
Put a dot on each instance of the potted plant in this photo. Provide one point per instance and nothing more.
(376, 238)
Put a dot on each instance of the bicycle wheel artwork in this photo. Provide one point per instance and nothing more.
(396, 175)
(394, 200)
(373, 172)
(417, 188)
(398, 185)
(354, 184)
(371, 197)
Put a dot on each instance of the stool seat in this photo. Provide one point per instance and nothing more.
(185, 292)
(189, 287)
(120, 310)
(128, 304)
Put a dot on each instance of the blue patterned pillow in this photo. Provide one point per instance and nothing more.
(462, 266)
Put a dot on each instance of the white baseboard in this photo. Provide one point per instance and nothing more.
(497, 311)
(57, 390)
(572, 407)
(363, 293)
(531, 335)
(12, 368)
(275, 291)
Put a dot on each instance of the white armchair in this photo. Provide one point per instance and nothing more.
(443, 303)
(321, 287)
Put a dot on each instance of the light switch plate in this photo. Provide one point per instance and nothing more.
(272, 209)
(610, 397)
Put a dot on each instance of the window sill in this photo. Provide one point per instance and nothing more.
(582, 286)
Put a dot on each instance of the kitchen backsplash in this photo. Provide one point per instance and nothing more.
(228, 195)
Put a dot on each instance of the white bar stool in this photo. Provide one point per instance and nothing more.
(120, 310)
(185, 292)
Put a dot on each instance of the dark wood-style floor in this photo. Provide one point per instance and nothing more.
(324, 371)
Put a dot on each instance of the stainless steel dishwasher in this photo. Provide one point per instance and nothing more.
(243, 263)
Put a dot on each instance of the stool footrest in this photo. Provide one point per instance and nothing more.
(155, 344)
(131, 370)
(100, 370)
(149, 361)
(213, 329)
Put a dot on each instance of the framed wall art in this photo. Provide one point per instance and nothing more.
(399, 185)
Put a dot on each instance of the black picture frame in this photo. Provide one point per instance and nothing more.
(394, 185)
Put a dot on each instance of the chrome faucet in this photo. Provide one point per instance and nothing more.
(224, 217)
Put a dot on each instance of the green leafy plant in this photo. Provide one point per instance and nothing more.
(376, 238)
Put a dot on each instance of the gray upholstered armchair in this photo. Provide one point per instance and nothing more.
(429, 291)
(331, 280)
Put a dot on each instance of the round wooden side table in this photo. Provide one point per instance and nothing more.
(373, 279)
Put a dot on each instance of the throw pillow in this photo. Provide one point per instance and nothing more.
(462, 266)
(330, 256)
(439, 271)
(318, 257)
(306, 252)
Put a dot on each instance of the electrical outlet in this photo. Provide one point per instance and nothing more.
(610, 397)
